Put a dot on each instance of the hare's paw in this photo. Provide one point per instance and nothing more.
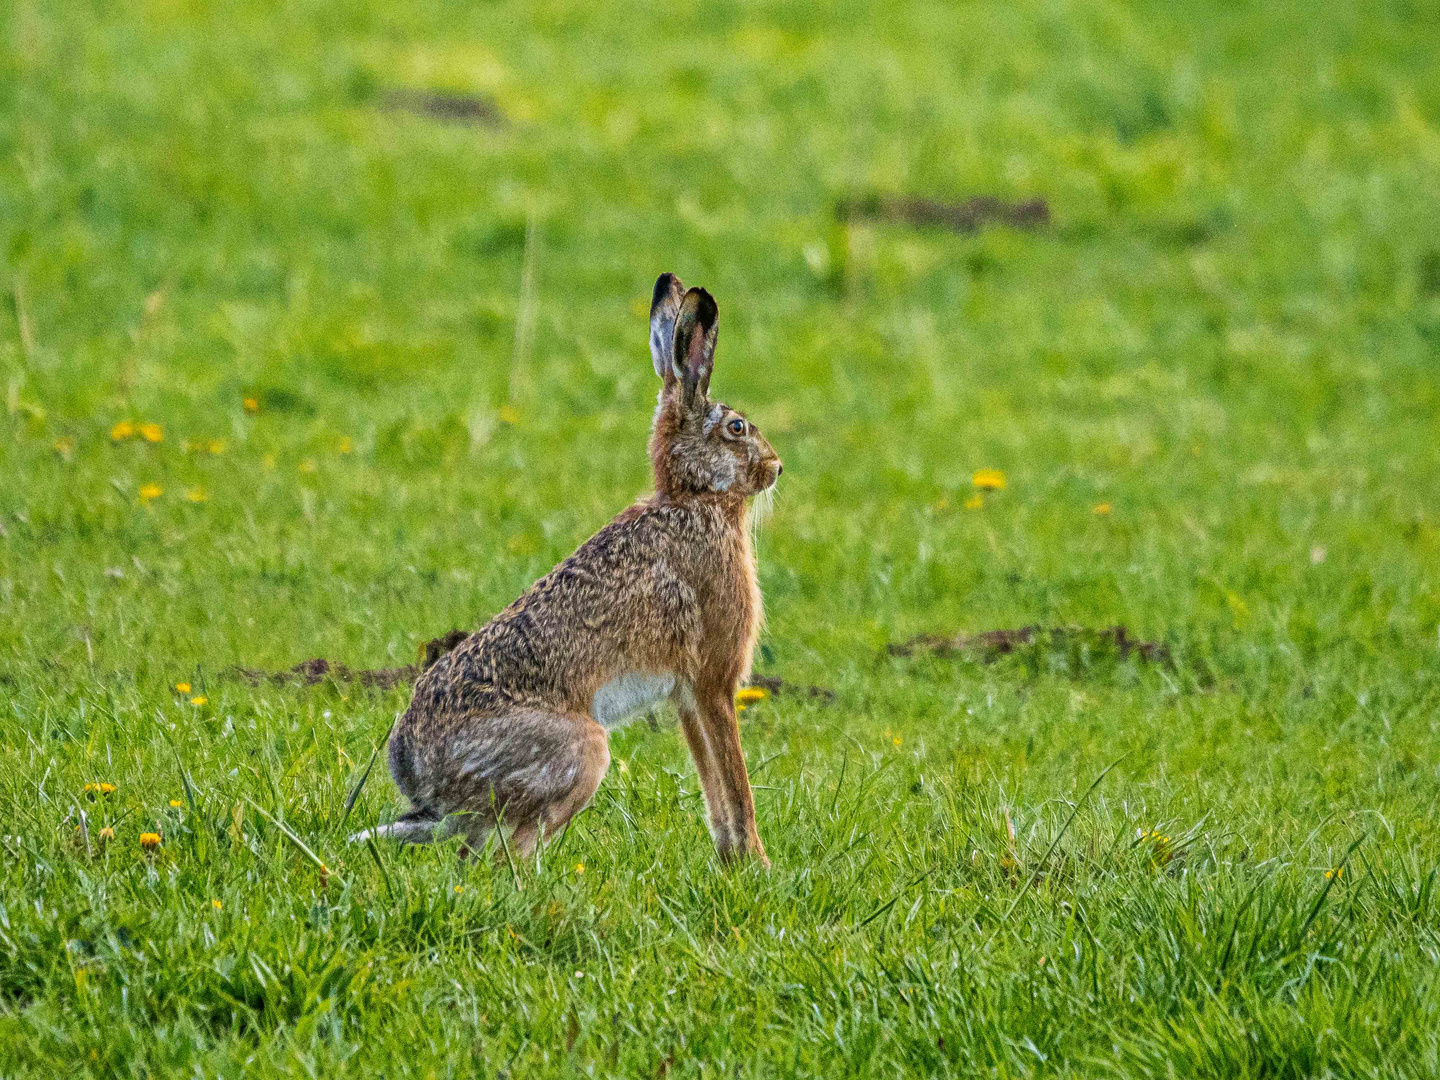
(410, 829)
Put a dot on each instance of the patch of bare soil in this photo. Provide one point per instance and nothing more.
(318, 670)
(990, 645)
(449, 108)
(435, 648)
(780, 687)
(965, 216)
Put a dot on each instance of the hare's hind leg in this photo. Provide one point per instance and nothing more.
(527, 770)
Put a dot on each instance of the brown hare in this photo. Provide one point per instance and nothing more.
(510, 726)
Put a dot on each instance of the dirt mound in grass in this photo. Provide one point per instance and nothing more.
(965, 216)
(317, 670)
(452, 108)
(990, 645)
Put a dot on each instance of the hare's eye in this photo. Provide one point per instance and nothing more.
(736, 427)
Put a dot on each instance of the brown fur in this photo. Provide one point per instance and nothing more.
(500, 729)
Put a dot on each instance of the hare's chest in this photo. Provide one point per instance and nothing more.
(624, 696)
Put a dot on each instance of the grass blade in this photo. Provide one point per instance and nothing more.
(1030, 878)
(300, 844)
(180, 764)
(360, 786)
(380, 863)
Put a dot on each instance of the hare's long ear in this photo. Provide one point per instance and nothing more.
(695, 329)
(664, 306)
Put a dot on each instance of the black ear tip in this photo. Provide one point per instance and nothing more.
(665, 285)
(706, 310)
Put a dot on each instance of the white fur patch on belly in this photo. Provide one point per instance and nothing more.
(624, 696)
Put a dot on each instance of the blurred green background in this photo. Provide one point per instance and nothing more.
(1232, 320)
(378, 275)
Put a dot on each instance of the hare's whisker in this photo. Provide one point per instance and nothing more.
(763, 509)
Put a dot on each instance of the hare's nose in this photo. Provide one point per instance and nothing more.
(779, 467)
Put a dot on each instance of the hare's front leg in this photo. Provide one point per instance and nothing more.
(712, 730)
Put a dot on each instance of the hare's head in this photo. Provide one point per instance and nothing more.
(698, 445)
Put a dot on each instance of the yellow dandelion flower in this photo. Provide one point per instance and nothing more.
(508, 414)
(308, 465)
(896, 742)
(459, 888)
(107, 833)
(149, 492)
(149, 840)
(182, 687)
(152, 432)
(748, 695)
(741, 708)
(65, 446)
(975, 502)
(176, 803)
(199, 699)
(1102, 509)
(196, 495)
(251, 405)
(216, 904)
(345, 446)
(579, 867)
(216, 446)
(123, 430)
(100, 789)
(989, 480)
(1337, 874)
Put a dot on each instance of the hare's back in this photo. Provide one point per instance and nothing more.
(610, 628)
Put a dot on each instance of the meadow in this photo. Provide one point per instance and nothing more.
(322, 331)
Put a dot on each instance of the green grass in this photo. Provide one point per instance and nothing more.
(1230, 333)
